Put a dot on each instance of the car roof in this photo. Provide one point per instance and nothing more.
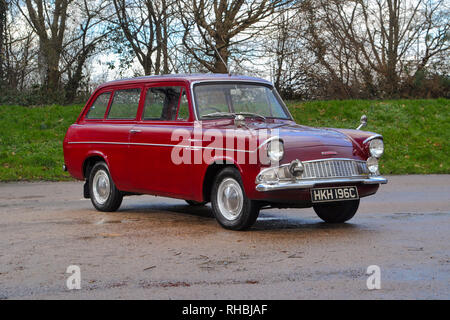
(189, 77)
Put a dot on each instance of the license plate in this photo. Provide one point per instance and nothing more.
(334, 194)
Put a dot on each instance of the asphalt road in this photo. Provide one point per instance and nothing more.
(159, 248)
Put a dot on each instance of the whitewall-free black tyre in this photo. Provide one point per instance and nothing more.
(102, 190)
(336, 212)
(231, 207)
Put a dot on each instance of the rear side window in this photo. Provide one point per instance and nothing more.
(98, 108)
(161, 103)
(125, 104)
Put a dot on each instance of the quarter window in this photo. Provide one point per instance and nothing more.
(125, 104)
(98, 108)
(183, 110)
(161, 103)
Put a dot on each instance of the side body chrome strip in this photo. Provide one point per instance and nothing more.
(158, 145)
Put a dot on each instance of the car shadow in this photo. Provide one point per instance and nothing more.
(274, 222)
(266, 221)
(199, 211)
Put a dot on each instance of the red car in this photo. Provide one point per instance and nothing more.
(228, 140)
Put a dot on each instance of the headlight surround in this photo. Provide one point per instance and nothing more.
(268, 176)
(372, 165)
(376, 148)
(275, 150)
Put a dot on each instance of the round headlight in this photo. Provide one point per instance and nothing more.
(376, 147)
(275, 150)
(372, 165)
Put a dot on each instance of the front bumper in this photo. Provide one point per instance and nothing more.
(306, 184)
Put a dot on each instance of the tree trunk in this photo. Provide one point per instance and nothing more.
(392, 49)
(3, 8)
(52, 73)
(165, 52)
(73, 84)
(50, 44)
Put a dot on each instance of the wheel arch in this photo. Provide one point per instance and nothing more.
(211, 171)
(90, 161)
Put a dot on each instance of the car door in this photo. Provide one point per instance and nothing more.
(164, 124)
(106, 126)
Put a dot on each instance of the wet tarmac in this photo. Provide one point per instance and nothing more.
(160, 248)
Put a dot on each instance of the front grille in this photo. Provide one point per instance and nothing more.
(334, 168)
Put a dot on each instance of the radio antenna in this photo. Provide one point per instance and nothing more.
(208, 39)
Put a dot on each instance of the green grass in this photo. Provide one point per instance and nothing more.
(31, 141)
(416, 133)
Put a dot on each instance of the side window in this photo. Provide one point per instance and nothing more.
(124, 104)
(161, 103)
(183, 110)
(98, 108)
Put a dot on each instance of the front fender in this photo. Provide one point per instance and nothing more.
(359, 139)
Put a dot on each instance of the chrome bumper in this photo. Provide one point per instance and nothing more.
(306, 184)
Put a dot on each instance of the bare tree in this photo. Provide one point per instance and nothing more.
(19, 62)
(18, 54)
(3, 10)
(145, 26)
(366, 48)
(66, 41)
(48, 20)
(221, 23)
(83, 43)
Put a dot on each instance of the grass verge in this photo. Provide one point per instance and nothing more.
(31, 141)
(416, 133)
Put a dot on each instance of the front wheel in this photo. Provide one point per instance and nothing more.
(336, 212)
(231, 207)
(103, 192)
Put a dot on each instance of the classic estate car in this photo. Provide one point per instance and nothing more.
(228, 140)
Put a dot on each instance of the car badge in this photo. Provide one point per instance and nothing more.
(329, 153)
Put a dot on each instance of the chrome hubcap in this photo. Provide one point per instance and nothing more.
(230, 198)
(101, 186)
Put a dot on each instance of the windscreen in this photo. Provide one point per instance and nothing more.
(238, 98)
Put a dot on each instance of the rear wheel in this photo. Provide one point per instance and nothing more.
(336, 212)
(231, 207)
(103, 192)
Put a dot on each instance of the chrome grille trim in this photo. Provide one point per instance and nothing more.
(334, 168)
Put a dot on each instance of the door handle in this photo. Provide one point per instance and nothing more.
(135, 131)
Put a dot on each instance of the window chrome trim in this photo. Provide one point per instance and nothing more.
(261, 82)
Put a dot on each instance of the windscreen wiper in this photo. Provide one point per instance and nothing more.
(251, 114)
(218, 114)
(232, 114)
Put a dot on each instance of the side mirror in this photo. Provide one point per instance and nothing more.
(363, 122)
